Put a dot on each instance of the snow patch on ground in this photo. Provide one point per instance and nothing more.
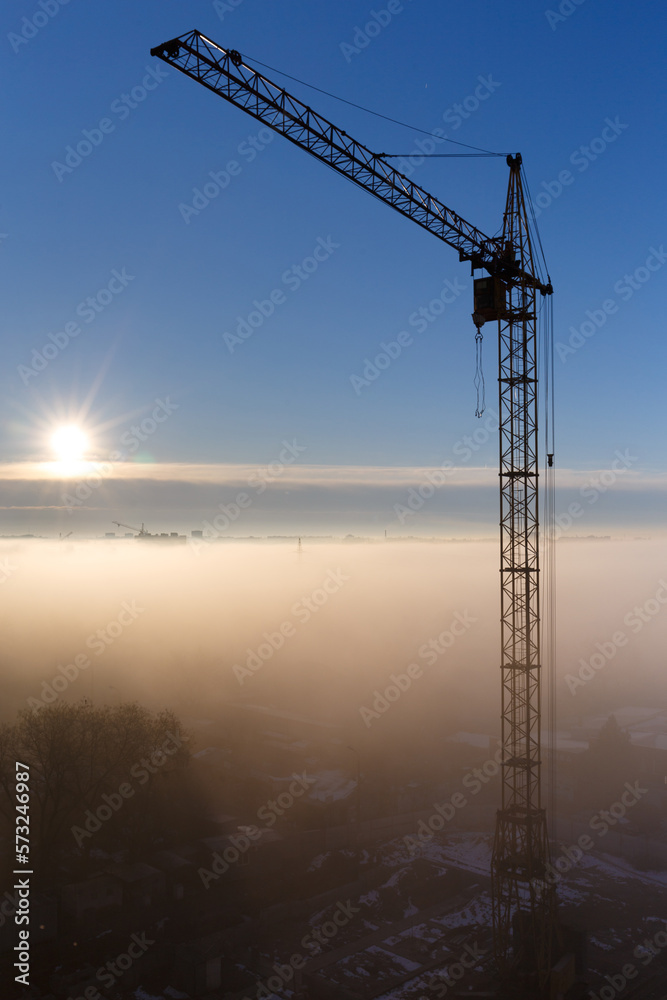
(570, 895)
(420, 985)
(477, 913)
(393, 881)
(471, 851)
(425, 932)
(621, 870)
(405, 963)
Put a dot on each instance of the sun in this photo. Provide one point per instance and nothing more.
(69, 444)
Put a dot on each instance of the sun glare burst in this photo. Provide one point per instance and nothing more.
(69, 444)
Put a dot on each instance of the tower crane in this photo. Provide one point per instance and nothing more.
(141, 531)
(523, 902)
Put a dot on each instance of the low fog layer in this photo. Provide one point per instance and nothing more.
(319, 632)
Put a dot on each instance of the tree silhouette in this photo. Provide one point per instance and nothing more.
(610, 737)
(76, 754)
(608, 764)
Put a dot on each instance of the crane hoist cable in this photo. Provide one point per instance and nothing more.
(549, 534)
(549, 659)
(479, 375)
(548, 596)
(533, 219)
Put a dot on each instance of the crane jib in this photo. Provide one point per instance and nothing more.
(223, 71)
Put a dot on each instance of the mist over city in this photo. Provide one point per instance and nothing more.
(315, 628)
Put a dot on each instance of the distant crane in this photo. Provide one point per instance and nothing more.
(142, 530)
(523, 909)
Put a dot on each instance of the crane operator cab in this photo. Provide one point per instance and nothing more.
(489, 300)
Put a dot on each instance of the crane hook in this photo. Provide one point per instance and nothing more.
(479, 373)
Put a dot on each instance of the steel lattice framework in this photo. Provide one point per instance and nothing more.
(523, 910)
(521, 846)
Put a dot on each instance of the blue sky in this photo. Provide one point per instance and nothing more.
(118, 223)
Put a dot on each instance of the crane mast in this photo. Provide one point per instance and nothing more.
(523, 907)
(521, 845)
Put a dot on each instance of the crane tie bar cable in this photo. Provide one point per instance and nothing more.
(431, 156)
(413, 128)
